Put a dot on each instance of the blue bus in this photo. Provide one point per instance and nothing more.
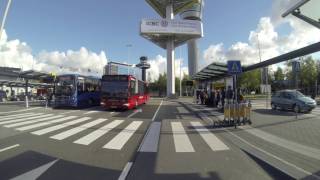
(72, 90)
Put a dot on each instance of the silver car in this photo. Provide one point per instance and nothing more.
(292, 100)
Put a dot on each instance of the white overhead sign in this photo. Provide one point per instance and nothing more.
(164, 26)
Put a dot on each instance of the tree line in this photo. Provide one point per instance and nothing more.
(283, 77)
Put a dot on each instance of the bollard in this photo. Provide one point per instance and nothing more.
(27, 102)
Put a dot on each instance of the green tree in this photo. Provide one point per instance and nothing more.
(250, 80)
(308, 72)
(279, 75)
(162, 84)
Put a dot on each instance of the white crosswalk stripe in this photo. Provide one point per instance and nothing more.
(14, 115)
(120, 140)
(22, 110)
(181, 140)
(45, 123)
(214, 143)
(24, 119)
(76, 130)
(91, 112)
(33, 121)
(88, 139)
(60, 126)
(19, 116)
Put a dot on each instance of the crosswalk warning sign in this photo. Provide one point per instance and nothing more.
(234, 67)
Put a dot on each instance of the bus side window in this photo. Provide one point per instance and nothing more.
(80, 87)
(132, 87)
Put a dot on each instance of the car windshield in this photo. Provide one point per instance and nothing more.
(114, 89)
(65, 86)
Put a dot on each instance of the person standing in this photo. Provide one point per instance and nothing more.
(202, 96)
(218, 98)
(229, 94)
(223, 96)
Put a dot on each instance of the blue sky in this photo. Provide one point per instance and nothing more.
(104, 25)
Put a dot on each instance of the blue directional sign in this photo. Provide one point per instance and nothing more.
(234, 67)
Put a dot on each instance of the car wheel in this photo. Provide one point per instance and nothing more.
(273, 106)
(296, 108)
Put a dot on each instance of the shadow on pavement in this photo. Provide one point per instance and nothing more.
(272, 171)
(274, 112)
(144, 168)
(30, 160)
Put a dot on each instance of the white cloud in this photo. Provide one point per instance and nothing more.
(14, 53)
(159, 66)
(265, 35)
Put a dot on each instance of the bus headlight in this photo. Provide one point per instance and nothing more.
(126, 104)
(102, 103)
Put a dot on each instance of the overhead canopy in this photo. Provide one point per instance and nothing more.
(31, 74)
(213, 71)
(178, 5)
(23, 84)
(216, 71)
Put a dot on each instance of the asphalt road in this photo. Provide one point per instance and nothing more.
(164, 139)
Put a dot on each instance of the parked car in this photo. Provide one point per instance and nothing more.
(292, 100)
(3, 96)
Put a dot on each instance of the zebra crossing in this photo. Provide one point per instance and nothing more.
(60, 127)
(42, 124)
(182, 140)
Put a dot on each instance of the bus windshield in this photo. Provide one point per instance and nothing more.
(114, 88)
(65, 86)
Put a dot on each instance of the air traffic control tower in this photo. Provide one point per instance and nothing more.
(169, 33)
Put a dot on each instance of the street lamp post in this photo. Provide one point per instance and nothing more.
(4, 20)
(128, 46)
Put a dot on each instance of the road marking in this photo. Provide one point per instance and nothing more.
(70, 112)
(112, 112)
(119, 141)
(76, 130)
(35, 173)
(15, 115)
(88, 139)
(151, 139)
(22, 110)
(59, 126)
(19, 116)
(33, 121)
(155, 114)
(91, 112)
(25, 119)
(182, 110)
(293, 146)
(44, 123)
(134, 113)
(181, 140)
(307, 173)
(10, 147)
(214, 143)
(125, 171)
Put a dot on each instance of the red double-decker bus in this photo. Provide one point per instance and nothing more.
(123, 92)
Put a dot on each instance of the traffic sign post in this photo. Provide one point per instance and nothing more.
(234, 68)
